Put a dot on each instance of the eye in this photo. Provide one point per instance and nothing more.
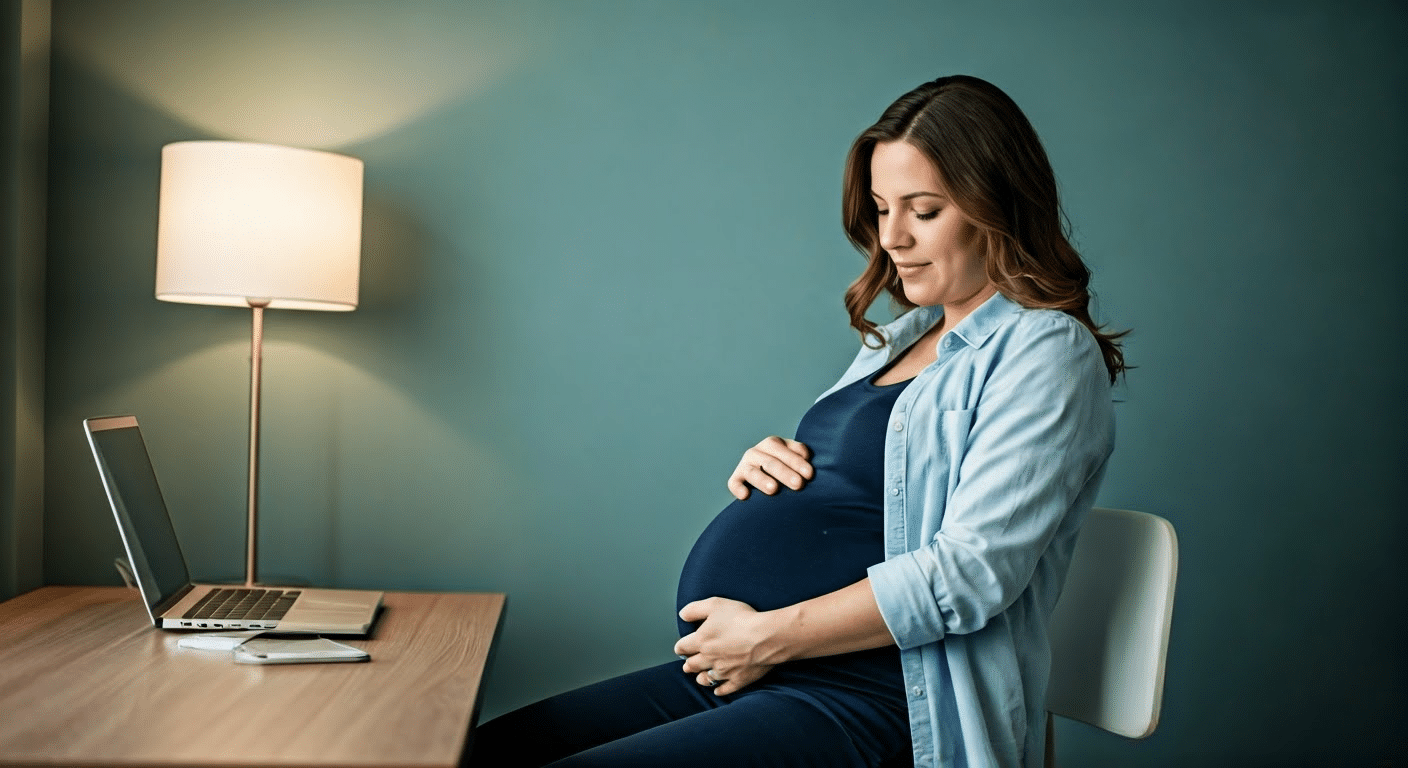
(881, 213)
(926, 216)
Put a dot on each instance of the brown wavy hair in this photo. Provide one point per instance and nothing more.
(996, 172)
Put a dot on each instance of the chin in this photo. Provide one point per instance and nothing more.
(921, 296)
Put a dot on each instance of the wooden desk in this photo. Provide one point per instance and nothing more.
(86, 680)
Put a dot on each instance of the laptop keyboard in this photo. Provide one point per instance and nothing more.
(243, 604)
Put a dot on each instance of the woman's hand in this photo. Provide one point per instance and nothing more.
(767, 466)
(740, 645)
(729, 642)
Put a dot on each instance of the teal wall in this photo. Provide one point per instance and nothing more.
(602, 257)
(24, 109)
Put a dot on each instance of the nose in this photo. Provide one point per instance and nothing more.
(893, 232)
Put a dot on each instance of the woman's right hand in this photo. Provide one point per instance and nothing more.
(769, 465)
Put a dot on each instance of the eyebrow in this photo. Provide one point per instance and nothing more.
(913, 195)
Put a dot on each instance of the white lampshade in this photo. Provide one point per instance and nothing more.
(244, 223)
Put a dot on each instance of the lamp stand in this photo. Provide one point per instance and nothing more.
(256, 357)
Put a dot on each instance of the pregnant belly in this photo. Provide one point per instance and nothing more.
(774, 551)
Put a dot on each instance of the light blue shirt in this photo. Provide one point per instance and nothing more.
(993, 456)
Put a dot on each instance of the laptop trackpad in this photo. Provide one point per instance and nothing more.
(331, 611)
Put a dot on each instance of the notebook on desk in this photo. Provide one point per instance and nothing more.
(159, 566)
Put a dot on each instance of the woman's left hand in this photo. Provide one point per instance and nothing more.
(729, 642)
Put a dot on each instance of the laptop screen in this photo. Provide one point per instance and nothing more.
(132, 490)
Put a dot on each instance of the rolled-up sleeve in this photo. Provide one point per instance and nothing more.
(1013, 459)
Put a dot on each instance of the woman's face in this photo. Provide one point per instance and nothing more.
(930, 241)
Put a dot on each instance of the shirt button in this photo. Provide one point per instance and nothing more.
(894, 491)
(899, 425)
(948, 341)
(917, 691)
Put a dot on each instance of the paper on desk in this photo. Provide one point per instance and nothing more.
(218, 641)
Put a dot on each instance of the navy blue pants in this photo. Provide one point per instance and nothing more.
(794, 716)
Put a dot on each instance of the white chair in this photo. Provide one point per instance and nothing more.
(1109, 632)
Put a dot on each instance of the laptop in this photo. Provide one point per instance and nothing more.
(159, 566)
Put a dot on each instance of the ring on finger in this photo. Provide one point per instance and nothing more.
(713, 678)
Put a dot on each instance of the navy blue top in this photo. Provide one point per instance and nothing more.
(774, 551)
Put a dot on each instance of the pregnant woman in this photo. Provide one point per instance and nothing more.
(884, 597)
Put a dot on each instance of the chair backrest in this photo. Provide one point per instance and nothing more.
(1109, 633)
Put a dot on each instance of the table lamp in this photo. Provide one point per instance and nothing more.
(264, 227)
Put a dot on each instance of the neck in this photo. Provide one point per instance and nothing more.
(954, 312)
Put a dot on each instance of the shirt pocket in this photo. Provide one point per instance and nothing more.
(954, 429)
